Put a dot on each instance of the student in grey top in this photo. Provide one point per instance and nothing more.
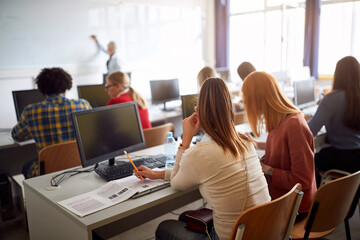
(113, 64)
(339, 111)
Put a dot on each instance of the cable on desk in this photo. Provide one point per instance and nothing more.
(56, 180)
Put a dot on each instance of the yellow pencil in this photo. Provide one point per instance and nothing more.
(133, 164)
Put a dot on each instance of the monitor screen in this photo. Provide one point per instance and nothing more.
(163, 91)
(304, 93)
(106, 132)
(94, 94)
(23, 98)
(189, 102)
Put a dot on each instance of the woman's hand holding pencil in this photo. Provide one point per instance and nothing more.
(133, 165)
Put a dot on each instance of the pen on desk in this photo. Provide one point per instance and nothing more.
(133, 165)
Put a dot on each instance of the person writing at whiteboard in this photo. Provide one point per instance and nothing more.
(113, 64)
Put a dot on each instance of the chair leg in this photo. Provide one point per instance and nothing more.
(311, 220)
(347, 229)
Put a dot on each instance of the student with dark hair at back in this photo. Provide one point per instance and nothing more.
(49, 121)
(224, 165)
(339, 111)
(118, 87)
(289, 148)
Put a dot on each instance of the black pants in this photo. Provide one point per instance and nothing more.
(176, 230)
(332, 158)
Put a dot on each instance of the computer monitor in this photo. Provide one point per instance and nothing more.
(23, 98)
(163, 91)
(304, 93)
(94, 94)
(104, 133)
(189, 102)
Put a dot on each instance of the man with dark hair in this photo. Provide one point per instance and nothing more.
(49, 121)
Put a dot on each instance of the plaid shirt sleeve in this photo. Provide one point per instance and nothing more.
(20, 132)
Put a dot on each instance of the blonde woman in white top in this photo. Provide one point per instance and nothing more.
(224, 165)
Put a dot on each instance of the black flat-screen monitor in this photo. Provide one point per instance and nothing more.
(104, 133)
(304, 93)
(163, 91)
(189, 102)
(94, 94)
(23, 98)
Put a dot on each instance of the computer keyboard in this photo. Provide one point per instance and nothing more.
(124, 168)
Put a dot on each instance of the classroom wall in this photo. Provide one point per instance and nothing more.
(48, 33)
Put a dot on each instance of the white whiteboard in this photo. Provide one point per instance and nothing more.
(49, 32)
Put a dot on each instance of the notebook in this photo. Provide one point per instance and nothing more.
(143, 187)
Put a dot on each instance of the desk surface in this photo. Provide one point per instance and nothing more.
(6, 140)
(48, 220)
(156, 114)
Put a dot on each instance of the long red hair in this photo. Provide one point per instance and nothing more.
(265, 101)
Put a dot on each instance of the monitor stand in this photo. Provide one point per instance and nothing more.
(103, 169)
(168, 109)
(105, 165)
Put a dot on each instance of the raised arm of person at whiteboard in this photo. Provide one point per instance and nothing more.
(113, 64)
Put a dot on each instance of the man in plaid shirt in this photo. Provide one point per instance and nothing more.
(49, 121)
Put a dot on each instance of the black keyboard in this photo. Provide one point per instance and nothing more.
(124, 168)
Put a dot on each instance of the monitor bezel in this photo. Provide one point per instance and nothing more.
(16, 104)
(111, 155)
(183, 103)
(307, 104)
(92, 85)
(153, 101)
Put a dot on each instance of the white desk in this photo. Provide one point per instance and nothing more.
(48, 220)
(158, 117)
(245, 128)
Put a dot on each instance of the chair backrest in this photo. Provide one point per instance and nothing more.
(272, 220)
(156, 135)
(332, 202)
(240, 117)
(59, 156)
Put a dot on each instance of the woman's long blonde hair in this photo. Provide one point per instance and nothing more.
(264, 100)
(120, 78)
(216, 116)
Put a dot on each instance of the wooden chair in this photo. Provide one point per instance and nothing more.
(240, 117)
(335, 201)
(58, 157)
(272, 220)
(157, 135)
